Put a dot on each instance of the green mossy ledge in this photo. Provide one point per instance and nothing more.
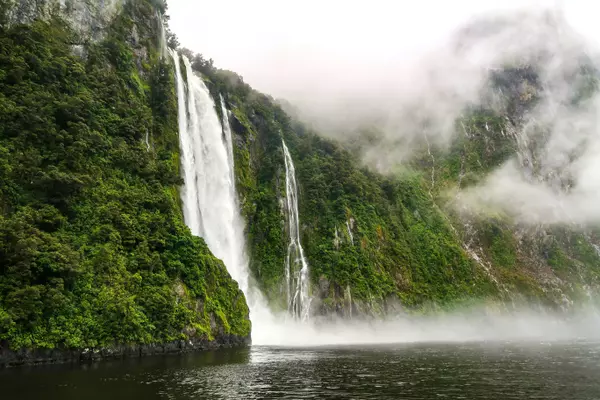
(95, 258)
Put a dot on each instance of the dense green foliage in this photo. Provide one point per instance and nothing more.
(93, 247)
(400, 246)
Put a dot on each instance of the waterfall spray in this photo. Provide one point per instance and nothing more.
(296, 266)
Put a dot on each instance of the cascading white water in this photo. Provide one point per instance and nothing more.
(210, 204)
(211, 208)
(296, 266)
(209, 198)
(228, 138)
(350, 233)
(162, 38)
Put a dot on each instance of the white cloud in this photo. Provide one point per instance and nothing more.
(291, 48)
(343, 62)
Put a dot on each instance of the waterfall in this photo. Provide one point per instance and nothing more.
(296, 266)
(211, 208)
(209, 198)
(210, 204)
(349, 297)
(350, 233)
(147, 140)
(162, 39)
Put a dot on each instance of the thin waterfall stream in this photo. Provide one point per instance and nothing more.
(296, 266)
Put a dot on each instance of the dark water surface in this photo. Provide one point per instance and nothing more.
(422, 371)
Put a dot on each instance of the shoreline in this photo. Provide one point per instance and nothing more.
(34, 357)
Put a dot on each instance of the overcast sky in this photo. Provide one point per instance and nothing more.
(290, 47)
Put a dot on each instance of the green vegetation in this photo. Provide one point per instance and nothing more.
(402, 245)
(93, 247)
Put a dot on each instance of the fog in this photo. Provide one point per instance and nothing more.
(408, 73)
(474, 325)
(330, 50)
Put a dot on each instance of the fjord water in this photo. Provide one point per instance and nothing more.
(501, 370)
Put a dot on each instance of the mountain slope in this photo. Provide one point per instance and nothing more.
(378, 243)
(94, 251)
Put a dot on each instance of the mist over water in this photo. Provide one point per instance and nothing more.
(475, 325)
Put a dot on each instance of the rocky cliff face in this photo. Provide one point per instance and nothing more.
(89, 18)
(542, 248)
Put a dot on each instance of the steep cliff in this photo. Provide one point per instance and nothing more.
(379, 243)
(94, 252)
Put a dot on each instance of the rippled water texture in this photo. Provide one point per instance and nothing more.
(455, 371)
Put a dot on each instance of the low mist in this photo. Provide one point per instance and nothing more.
(466, 326)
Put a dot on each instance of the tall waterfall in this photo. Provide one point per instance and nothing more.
(210, 204)
(162, 38)
(209, 198)
(296, 266)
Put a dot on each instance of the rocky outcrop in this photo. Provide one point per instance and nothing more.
(89, 18)
(12, 358)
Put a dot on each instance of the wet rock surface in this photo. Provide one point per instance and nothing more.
(30, 357)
